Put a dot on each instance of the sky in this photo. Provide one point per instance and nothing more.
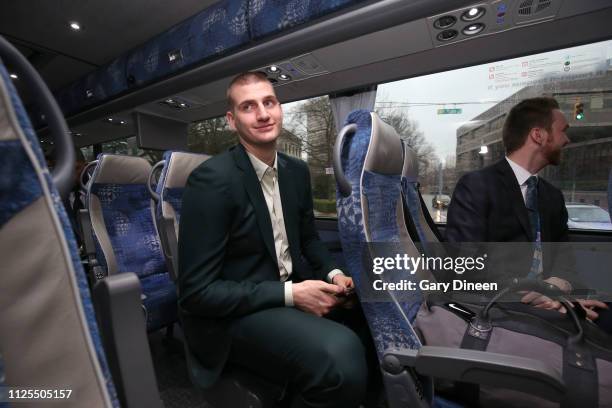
(483, 83)
(478, 88)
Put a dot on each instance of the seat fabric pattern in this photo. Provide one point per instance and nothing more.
(389, 326)
(272, 16)
(171, 193)
(160, 300)
(126, 212)
(222, 28)
(127, 216)
(21, 184)
(20, 191)
(389, 319)
(213, 32)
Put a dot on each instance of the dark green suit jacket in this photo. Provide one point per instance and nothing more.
(227, 261)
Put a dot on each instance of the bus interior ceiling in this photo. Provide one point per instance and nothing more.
(374, 42)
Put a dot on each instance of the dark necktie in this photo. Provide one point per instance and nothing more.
(531, 203)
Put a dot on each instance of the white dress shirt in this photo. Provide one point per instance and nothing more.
(521, 177)
(268, 179)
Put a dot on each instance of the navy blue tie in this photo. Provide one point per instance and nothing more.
(531, 203)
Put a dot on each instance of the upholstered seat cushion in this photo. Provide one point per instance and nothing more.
(159, 300)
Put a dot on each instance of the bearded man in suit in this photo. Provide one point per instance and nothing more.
(509, 202)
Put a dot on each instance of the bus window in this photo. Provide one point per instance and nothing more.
(454, 121)
(310, 135)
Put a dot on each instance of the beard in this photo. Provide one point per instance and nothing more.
(553, 156)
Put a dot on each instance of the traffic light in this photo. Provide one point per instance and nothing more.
(579, 111)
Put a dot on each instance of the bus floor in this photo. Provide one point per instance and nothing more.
(175, 388)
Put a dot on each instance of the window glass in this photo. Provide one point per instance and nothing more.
(210, 136)
(454, 121)
(310, 125)
(128, 147)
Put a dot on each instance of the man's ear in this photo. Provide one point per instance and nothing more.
(229, 116)
(537, 135)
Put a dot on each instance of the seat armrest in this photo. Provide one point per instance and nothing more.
(169, 242)
(95, 270)
(479, 367)
(122, 325)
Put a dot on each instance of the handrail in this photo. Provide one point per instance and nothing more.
(63, 171)
(344, 186)
(153, 193)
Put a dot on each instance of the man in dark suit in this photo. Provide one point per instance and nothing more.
(246, 294)
(509, 202)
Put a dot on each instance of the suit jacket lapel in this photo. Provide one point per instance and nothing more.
(511, 185)
(289, 201)
(253, 189)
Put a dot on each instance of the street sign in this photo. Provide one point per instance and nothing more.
(449, 111)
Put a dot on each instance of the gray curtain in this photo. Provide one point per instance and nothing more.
(344, 103)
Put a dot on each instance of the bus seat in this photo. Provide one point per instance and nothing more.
(368, 166)
(369, 158)
(177, 166)
(418, 221)
(121, 213)
(49, 334)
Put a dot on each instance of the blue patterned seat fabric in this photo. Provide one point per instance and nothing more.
(24, 180)
(388, 327)
(128, 220)
(389, 318)
(269, 17)
(222, 28)
(178, 166)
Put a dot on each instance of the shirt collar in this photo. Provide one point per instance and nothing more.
(520, 173)
(261, 167)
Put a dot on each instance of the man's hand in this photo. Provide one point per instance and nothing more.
(316, 297)
(544, 302)
(345, 282)
(589, 306)
(562, 284)
(536, 299)
(348, 300)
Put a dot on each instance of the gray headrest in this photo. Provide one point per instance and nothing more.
(385, 151)
(411, 164)
(119, 169)
(180, 167)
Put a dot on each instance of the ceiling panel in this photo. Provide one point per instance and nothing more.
(109, 27)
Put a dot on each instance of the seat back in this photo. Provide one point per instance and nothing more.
(418, 221)
(177, 166)
(371, 224)
(121, 212)
(49, 335)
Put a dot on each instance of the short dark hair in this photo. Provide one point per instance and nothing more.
(526, 115)
(243, 79)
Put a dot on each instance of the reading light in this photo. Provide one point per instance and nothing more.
(473, 29)
(473, 14)
(75, 26)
